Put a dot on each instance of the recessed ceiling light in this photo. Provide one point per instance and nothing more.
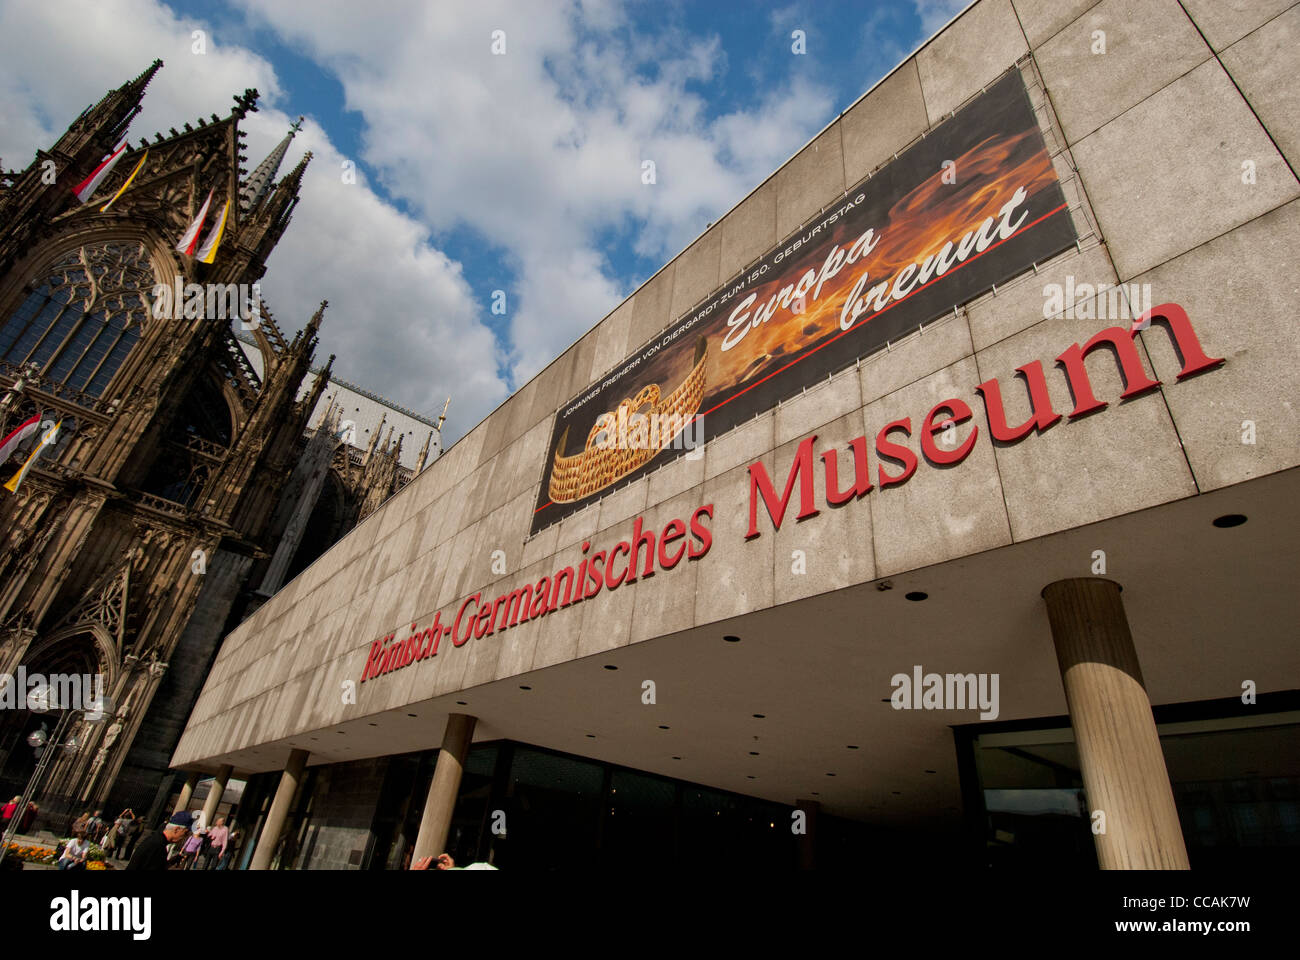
(760, 716)
(462, 703)
(524, 687)
(898, 793)
(610, 666)
(731, 639)
(852, 746)
(676, 758)
(916, 596)
(830, 774)
(1230, 520)
(751, 777)
(663, 726)
(753, 753)
(591, 736)
(929, 771)
(410, 715)
(374, 724)
(886, 699)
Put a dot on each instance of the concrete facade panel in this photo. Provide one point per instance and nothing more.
(665, 603)
(1140, 170)
(696, 274)
(941, 512)
(740, 445)
(1022, 303)
(834, 548)
(1043, 19)
(611, 341)
(736, 576)
(748, 231)
(877, 127)
(1262, 64)
(650, 314)
(984, 42)
(1079, 471)
(1231, 288)
(1225, 21)
(939, 345)
(814, 177)
(1147, 45)
(820, 403)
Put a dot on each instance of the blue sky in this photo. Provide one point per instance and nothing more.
(476, 172)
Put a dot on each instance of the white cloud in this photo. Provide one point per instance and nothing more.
(541, 149)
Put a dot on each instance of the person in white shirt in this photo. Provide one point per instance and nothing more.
(75, 852)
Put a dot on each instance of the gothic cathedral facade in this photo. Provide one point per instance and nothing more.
(174, 484)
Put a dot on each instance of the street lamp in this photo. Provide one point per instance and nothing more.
(43, 744)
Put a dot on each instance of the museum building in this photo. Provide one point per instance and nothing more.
(939, 498)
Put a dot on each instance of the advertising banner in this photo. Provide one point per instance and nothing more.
(970, 205)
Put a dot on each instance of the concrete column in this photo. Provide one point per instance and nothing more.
(1123, 767)
(214, 795)
(187, 791)
(279, 812)
(438, 806)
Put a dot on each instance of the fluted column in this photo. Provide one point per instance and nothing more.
(1123, 767)
(279, 812)
(441, 801)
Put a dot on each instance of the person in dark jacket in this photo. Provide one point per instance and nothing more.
(151, 852)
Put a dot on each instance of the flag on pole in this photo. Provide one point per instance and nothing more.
(191, 239)
(49, 439)
(24, 430)
(86, 189)
(208, 252)
(104, 208)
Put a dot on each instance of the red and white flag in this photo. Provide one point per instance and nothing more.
(208, 252)
(86, 189)
(189, 243)
(24, 430)
(49, 438)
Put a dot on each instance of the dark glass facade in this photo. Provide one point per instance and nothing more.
(1235, 775)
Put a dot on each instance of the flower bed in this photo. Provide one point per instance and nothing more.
(32, 853)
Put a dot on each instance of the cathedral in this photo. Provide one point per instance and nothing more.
(169, 469)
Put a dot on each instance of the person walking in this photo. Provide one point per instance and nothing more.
(218, 838)
(232, 846)
(190, 851)
(95, 826)
(151, 853)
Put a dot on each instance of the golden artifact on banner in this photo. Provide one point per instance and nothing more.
(628, 437)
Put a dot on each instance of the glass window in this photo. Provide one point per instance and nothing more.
(77, 331)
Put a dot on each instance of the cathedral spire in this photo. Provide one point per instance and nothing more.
(424, 454)
(121, 105)
(258, 185)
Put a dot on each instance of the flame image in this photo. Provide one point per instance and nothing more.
(917, 225)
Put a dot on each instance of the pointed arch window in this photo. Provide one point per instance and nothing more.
(80, 323)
